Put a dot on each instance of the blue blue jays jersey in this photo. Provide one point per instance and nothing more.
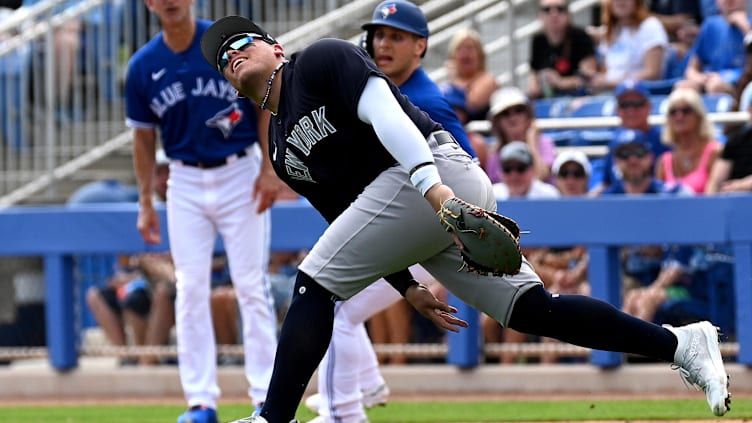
(199, 114)
(319, 145)
(425, 94)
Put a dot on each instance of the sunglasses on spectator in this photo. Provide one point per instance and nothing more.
(239, 45)
(513, 111)
(626, 153)
(509, 168)
(635, 104)
(574, 172)
(680, 110)
(557, 9)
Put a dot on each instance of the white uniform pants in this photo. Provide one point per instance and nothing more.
(200, 204)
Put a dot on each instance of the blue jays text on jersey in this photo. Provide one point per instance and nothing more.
(198, 112)
(176, 92)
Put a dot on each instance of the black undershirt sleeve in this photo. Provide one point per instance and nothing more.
(401, 280)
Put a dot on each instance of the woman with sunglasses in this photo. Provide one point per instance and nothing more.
(512, 118)
(562, 55)
(689, 131)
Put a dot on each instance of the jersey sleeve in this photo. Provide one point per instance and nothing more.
(138, 114)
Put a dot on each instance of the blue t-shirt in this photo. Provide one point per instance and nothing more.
(720, 48)
(656, 187)
(653, 136)
(198, 112)
(424, 93)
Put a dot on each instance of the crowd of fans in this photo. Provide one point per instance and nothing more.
(685, 49)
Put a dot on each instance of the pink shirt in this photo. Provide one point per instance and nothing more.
(698, 178)
(546, 149)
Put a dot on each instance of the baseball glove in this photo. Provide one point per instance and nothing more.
(491, 242)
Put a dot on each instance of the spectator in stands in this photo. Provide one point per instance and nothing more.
(512, 119)
(67, 38)
(520, 181)
(732, 170)
(456, 98)
(125, 301)
(718, 54)
(467, 70)
(633, 45)
(676, 14)
(690, 134)
(562, 55)
(658, 281)
(633, 107)
(681, 19)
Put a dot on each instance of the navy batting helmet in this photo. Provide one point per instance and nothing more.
(400, 14)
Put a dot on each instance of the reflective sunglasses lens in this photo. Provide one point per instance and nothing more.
(240, 45)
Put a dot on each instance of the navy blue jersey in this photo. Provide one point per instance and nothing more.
(424, 93)
(198, 112)
(319, 145)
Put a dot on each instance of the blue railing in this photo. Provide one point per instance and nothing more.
(57, 233)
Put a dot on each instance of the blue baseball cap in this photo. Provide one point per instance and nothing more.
(632, 86)
(630, 137)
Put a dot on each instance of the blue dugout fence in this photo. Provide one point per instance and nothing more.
(58, 233)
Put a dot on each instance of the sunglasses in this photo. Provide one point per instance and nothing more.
(557, 9)
(680, 110)
(514, 111)
(626, 153)
(573, 172)
(636, 104)
(512, 168)
(240, 45)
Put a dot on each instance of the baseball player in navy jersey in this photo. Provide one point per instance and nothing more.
(348, 377)
(220, 182)
(330, 105)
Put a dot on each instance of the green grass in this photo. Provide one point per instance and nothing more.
(406, 412)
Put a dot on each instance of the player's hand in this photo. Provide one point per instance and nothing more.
(437, 194)
(440, 313)
(148, 224)
(266, 189)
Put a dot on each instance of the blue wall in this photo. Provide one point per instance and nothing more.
(603, 224)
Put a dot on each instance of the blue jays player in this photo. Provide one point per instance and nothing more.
(219, 183)
(330, 104)
(348, 377)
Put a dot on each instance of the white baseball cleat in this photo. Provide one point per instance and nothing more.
(698, 359)
(312, 402)
(371, 398)
(376, 396)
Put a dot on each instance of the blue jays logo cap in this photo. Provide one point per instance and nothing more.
(226, 30)
(632, 86)
(400, 14)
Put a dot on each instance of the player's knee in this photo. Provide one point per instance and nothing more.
(306, 287)
(532, 310)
